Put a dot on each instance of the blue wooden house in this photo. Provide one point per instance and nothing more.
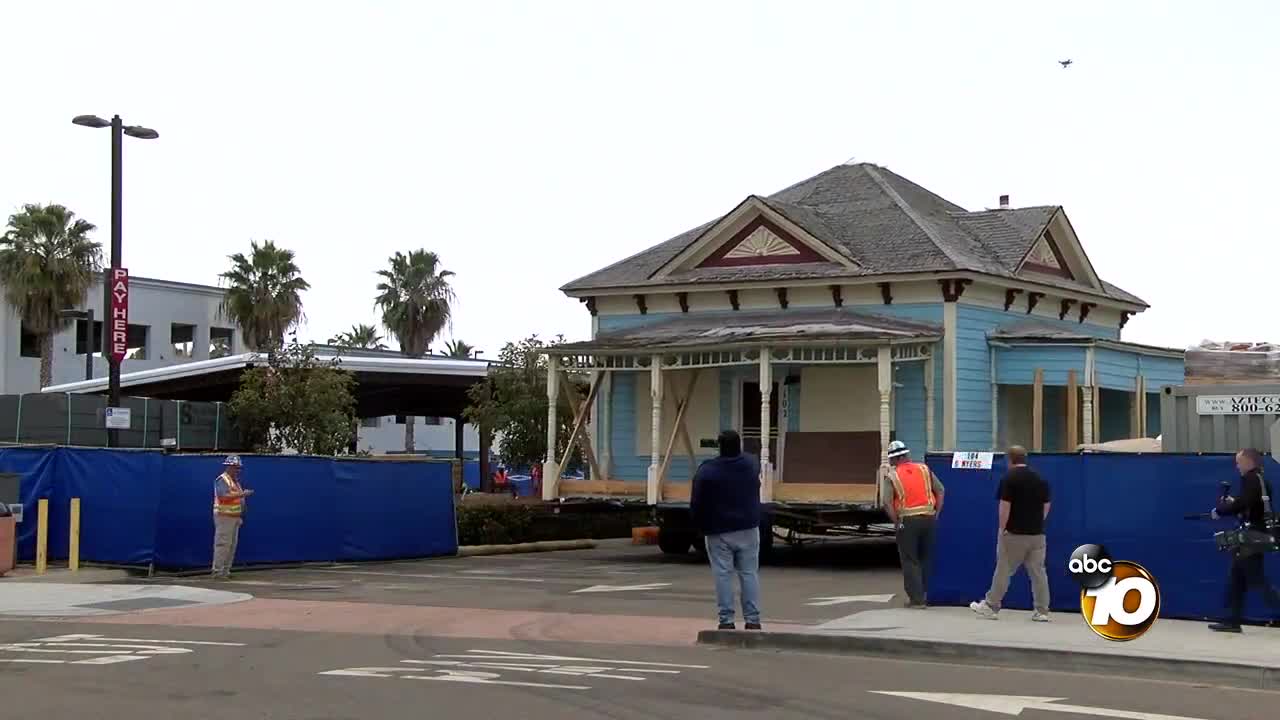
(845, 311)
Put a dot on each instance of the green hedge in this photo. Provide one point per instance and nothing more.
(509, 524)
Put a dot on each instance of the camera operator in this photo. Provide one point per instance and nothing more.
(1247, 569)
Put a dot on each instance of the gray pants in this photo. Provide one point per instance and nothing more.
(226, 535)
(1012, 552)
(915, 550)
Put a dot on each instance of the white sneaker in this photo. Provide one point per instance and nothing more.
(1040, 617)
(984, 610)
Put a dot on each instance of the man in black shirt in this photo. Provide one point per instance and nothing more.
(1247, 569)
(1024, 505)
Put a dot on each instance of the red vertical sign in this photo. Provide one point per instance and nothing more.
(119, 317)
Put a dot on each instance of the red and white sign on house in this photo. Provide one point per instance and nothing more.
(119, 317)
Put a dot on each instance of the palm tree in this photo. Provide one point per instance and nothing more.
(359, 337)
(47, 264)
(416, 303)
(264, 294)
(458, 349)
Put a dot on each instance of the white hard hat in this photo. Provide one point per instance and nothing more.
(898, 448)
(232, 460)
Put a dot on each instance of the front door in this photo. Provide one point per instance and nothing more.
(751, 420)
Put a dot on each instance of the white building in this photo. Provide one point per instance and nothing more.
(171, 323)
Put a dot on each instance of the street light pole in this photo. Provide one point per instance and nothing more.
(117, 206)
(118, 131)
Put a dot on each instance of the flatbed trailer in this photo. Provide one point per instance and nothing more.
(793, 523)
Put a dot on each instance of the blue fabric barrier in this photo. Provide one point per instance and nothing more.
(1132, 504)
(471, 474)
(37, 468)
(419, 522)
(141, 508)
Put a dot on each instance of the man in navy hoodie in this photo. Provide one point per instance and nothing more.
(725, 503)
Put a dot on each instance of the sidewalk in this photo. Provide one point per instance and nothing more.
(1171, 650)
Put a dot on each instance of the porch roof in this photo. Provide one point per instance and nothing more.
(757, 329)
(1038, 333)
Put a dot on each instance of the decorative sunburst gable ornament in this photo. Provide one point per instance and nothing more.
(762, 242)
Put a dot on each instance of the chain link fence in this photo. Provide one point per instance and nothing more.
(78, 420)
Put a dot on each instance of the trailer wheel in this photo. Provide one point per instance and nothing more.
(766, 542)
(674, 542)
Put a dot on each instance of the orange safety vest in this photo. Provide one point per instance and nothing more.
(913, 490)
(229, 507)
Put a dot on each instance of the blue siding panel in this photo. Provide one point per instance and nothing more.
(1162, 371)
(1017, 365)
(908, 406)
(1116, 369)
(607, 323)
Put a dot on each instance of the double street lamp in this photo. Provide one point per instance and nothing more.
(118, 131)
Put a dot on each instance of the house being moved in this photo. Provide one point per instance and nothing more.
(845, 311)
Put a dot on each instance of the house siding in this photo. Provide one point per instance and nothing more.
(1116, 369)
(1162, 371)
(1017, 366)
(973, 370)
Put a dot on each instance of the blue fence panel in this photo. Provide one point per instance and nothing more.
(119, 502)
(37, 466)
(390, 510)
(471, 474)
(1133, 504)
(293, 515)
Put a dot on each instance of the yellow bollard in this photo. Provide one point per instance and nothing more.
(73, 556)
(42, 537)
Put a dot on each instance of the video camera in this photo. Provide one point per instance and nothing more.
(1244, 538)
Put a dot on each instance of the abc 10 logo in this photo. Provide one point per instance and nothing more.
(1119, 599)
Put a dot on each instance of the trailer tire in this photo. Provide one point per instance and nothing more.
(674, 542)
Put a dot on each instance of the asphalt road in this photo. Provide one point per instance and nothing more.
(628, 580)
(324, 676)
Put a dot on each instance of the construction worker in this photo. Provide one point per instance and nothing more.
(228, 516)
(914, 497)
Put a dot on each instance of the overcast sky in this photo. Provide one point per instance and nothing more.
(529, 143)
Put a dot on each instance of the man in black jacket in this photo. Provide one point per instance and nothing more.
(1247, 569)
(725, 503)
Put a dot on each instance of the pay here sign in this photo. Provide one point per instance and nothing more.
(118, 330)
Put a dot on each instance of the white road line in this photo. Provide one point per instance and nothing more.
(33, 661)
(430, 577)
(62, 638)
(621, 588)
(842, 599)
(534, 656)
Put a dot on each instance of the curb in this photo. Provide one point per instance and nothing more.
(1238, 675)
(533, 547)
(60, 576)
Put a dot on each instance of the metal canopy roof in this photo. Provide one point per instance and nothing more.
(384, 385)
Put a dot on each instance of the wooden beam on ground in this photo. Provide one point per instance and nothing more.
(1073, 414)
(580, 420)
(1037, 412)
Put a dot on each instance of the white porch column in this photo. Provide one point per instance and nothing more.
(766, 391)
(930, 405)
(605, 422)
(950, 327)
(884, 361)
(1086, 398)
(550, 469)
(995, 401)
(653, 490)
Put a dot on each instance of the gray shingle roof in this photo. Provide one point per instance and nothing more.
(881, 221)
(755, 327)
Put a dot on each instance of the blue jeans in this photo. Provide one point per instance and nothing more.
(736, 553)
